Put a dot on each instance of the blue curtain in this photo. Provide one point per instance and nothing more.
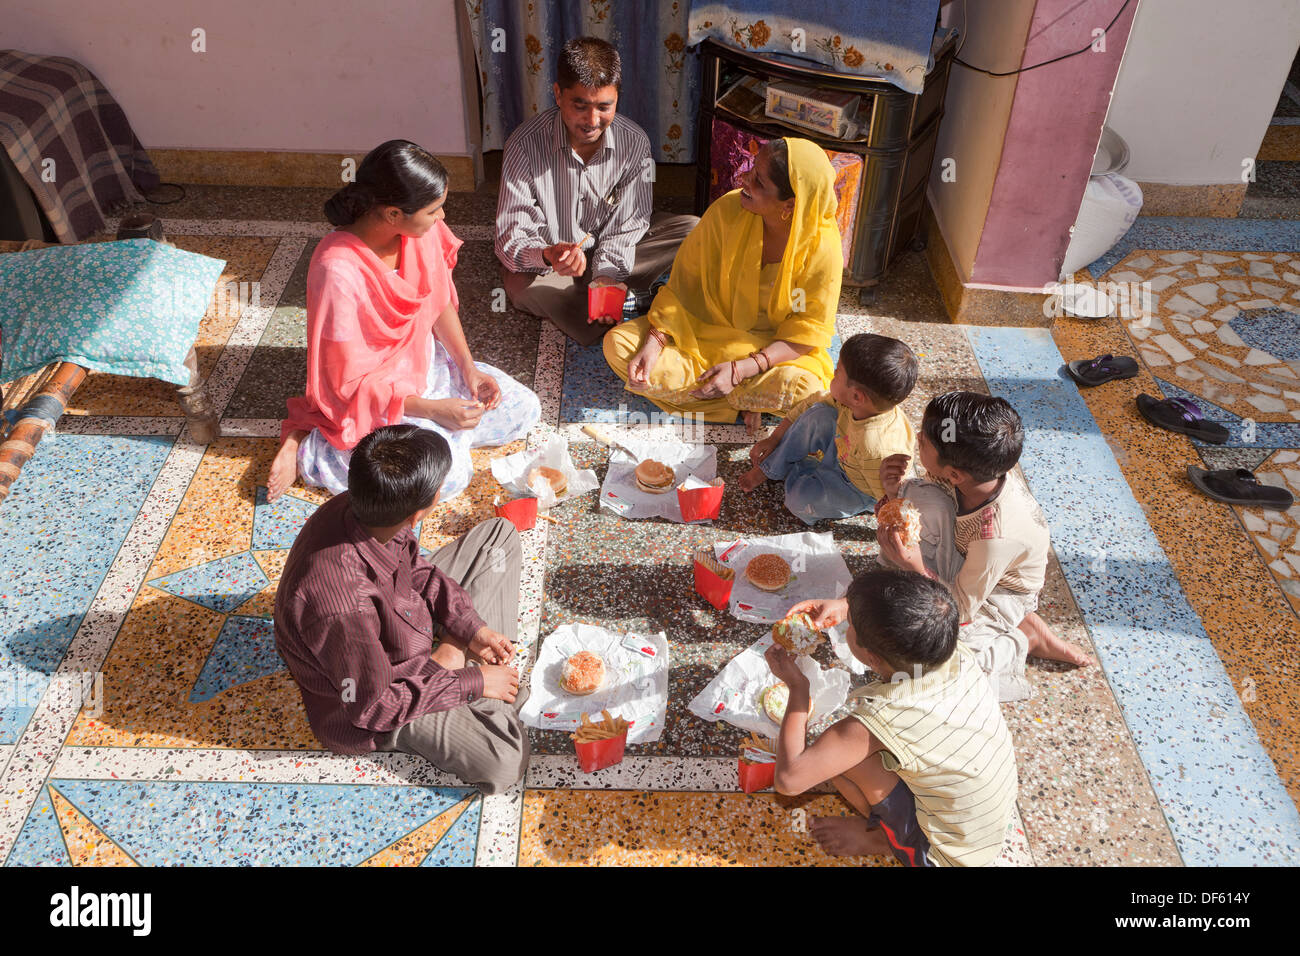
(517, 43)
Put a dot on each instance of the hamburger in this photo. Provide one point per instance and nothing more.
(654, 477)
(899, 514)
(768, 572)
(797, 634)
(774, 700)
(553, 476)
(583, 674)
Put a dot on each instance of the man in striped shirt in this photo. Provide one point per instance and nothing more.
(358, 608)
(577, 187)
(925, 756)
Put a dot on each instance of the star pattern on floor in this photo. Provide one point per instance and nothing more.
(153, 823)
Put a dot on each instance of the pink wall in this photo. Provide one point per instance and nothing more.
(297, 75)
(1056, 121)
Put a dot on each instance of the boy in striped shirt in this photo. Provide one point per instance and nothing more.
(925, 757)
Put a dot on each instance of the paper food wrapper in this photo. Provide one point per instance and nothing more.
(636, 681)
(817, 571)
(694, 465)
(512, 472)
(733, 695)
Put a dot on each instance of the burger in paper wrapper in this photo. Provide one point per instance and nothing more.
(797, 634)
(653, 477)
(899, 514)
(584, 673)
(774, 700)
(553, 476)
(768, 572)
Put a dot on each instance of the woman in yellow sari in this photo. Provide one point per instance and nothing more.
(745, 319)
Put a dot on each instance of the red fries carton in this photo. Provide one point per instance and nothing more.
(605, 302)
(599, 754)
(755, 776)
(521, 512)
(600, 744)
(713, 581)
(701, 504)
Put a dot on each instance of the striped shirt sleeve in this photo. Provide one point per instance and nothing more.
(522, 231)
(371, 695)
(615, 251)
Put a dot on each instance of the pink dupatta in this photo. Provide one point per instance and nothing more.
(370, 332)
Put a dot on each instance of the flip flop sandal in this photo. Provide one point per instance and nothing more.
(1099, 371)
(1237, 486)
(1181, 415)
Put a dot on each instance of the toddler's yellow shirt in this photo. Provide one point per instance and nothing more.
(862, 445)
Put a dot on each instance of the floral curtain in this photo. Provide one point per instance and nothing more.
(517, 43)
(885, 38)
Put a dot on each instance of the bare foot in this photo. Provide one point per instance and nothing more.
(284, 469)
(848, 836)
(752, 479)
(1044, 643)
(752, 422)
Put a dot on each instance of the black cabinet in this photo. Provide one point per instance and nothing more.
(894, 136)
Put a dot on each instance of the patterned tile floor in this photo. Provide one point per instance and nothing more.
(146, 719)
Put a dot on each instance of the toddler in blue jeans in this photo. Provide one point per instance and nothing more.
(829, 448)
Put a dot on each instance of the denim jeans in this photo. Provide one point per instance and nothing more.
(814, 490)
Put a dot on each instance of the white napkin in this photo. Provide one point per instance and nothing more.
(636, 681)
(818, 571)
(620, 494)
(733, 695)
(512, 472)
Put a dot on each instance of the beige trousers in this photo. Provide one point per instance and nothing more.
(484, 742)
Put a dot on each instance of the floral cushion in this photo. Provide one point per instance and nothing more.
(129, 308)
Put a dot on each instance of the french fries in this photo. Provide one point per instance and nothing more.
(706, 558)
(756, 749)
(604, 729)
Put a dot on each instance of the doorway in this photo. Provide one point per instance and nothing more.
(1275, 193)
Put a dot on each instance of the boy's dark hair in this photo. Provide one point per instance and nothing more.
(590, 62)
(903, 617)
(396, 173)
(884, 368)
(396, 471)
(979, 434)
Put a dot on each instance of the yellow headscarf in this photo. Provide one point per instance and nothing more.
(710, 304)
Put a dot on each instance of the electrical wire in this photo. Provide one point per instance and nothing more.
(1063, 56)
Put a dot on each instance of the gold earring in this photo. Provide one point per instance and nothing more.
(785, 217)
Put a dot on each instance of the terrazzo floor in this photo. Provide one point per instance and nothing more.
(151, 601)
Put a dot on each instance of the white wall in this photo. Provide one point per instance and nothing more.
(297, 75)
(1198, 85)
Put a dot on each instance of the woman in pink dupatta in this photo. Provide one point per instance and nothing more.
(384, 339)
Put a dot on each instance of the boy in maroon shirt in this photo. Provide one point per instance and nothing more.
(358, 608)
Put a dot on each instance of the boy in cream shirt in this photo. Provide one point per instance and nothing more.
(925, 757)
(983, 534)
(829, 449)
